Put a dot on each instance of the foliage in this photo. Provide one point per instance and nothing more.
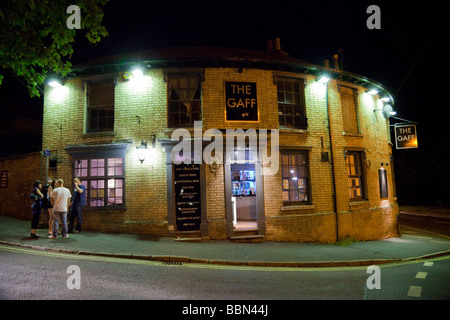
(35, 40)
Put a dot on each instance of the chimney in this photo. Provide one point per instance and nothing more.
(336, 61)
(277, 45)
(269, 45)
(326, 63)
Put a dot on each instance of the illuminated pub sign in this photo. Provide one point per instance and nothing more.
(406, 136)
(241, 101)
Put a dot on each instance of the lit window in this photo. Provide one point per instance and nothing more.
(104, 179)
(295, 176)
(184, 105)
(355, 175)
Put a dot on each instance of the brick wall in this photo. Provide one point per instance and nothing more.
(22, 172)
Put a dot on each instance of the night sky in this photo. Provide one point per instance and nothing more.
(408, 55)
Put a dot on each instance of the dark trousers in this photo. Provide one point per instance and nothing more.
(35, 219)
(75, 212)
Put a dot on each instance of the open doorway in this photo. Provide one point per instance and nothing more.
(243, 196)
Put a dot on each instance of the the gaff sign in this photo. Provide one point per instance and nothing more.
(241, 101)
(406, 136)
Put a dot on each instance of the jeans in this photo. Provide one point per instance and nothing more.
(57, 215)
(75, 212)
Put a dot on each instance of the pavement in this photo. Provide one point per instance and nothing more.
(413, 244)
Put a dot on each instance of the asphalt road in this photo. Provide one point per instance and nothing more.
(27, 274)
(436, 224)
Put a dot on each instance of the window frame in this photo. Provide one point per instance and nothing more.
(190, 123)
(361, 175)
(101, 152)
(301, 105)
(355, 109)
(306, 176)
(108, 108)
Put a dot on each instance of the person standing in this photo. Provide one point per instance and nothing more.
(60, 201)
(47, 192)
(78, 201)
(36, 207)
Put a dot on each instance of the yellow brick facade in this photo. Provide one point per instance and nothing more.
(146, 184)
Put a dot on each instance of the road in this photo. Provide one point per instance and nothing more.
(438, 223)
(28, 274)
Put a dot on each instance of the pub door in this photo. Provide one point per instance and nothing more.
(243, 199)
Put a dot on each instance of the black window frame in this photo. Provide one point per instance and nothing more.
(291, 103)
(105, 112)
(288, 175)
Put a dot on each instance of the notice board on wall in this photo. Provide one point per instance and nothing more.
(187, 197)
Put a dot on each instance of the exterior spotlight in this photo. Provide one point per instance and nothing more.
(324, 79)
(141, 151)
(373, 92)
(385, 99)
(55, 83)
(137, 73)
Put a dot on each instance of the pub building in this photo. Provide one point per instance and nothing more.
(117, 123)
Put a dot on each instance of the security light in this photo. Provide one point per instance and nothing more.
(385, 99)
(324, 79)
(55, 83)
(137, 73)
(373, 92)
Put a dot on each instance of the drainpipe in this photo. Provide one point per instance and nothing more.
(332, 164)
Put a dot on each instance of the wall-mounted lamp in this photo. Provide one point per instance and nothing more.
(385, 99)
(373, 92)
(141, 151)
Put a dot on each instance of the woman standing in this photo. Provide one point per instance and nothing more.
(47, 193)
(36, 207)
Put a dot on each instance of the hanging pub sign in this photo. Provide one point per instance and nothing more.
(187, 197)
(241, 101)
(406, 136)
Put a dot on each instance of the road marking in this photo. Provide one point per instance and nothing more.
(414, 291)
(428, 264)
(421, 275)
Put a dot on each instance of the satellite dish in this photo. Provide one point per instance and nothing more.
(387, 111)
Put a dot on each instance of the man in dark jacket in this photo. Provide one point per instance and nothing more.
(79, 200)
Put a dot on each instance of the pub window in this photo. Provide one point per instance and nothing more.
(291, 103)
(100, 106)
(355, 175)
(295, 177)
(104, 179)
(349, 109)
(184, 99)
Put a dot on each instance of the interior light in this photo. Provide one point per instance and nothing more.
(373, 91)
(324, 79)
(55, 83)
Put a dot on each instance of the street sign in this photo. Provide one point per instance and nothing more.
(406, 136)
(47, 153)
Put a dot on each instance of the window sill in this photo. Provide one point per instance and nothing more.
(293, 130)
(352, 134)
(301, 207)
(99, 134)
(105, 208)
(359, 205)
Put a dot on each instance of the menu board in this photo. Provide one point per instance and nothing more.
(187, 197)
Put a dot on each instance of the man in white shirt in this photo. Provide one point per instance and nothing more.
(60, 201)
